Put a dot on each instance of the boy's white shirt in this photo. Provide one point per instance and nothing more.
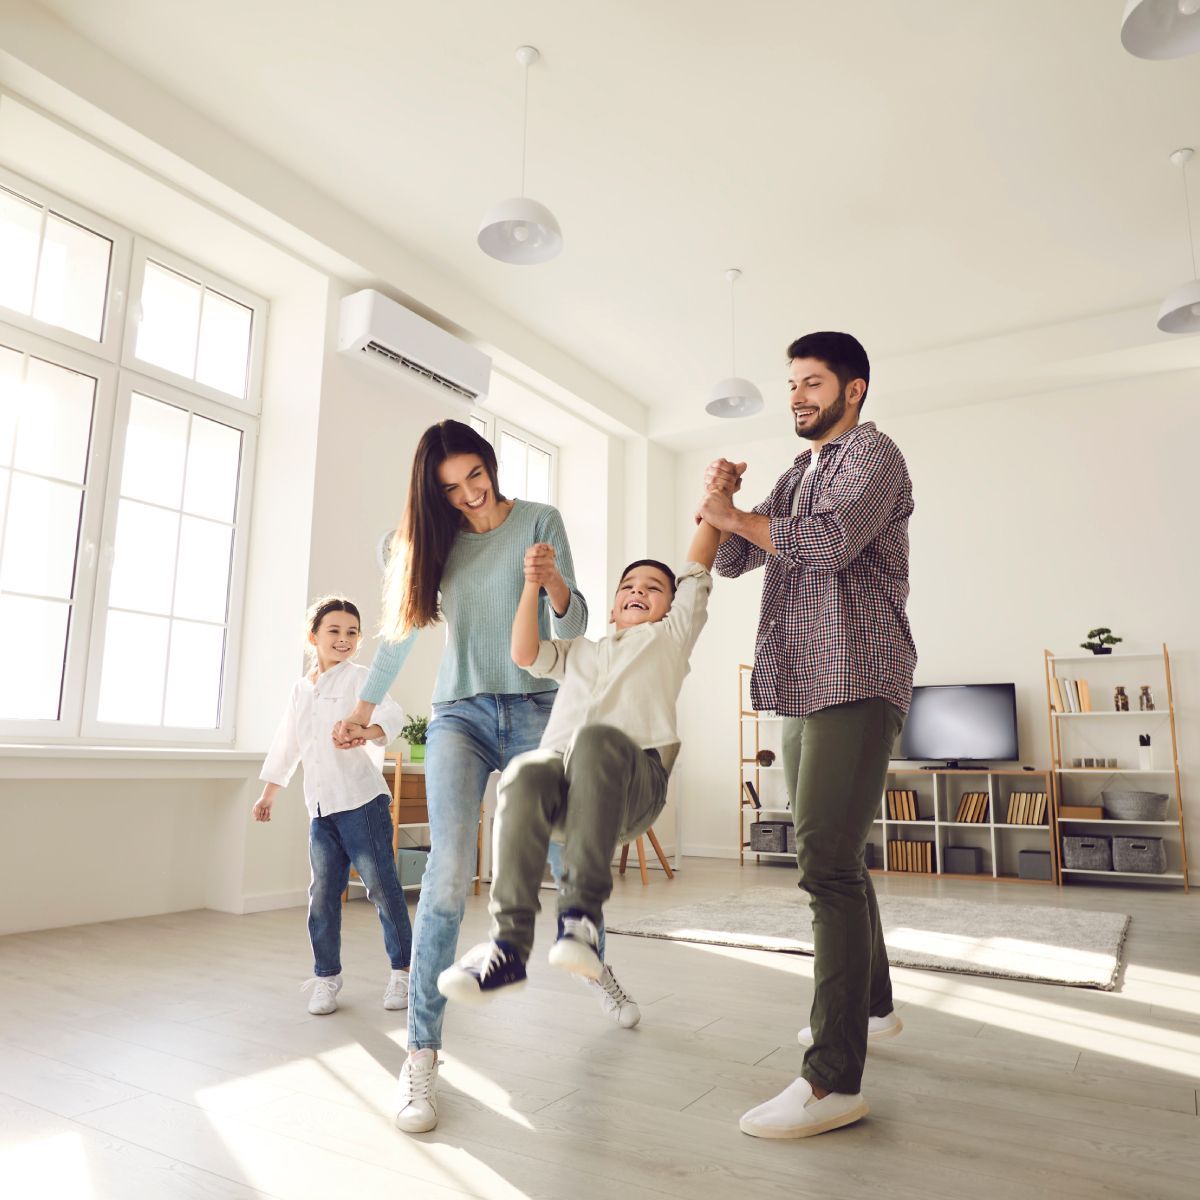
(334, 780)
(630, 679)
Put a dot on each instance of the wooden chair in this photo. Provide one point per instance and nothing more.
(641, 853)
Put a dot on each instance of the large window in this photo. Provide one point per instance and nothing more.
(527, 464)
(124, 486)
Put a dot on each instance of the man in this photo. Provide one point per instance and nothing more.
(834, 657)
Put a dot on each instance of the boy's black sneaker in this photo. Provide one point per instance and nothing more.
(575, 948)
(481, 973)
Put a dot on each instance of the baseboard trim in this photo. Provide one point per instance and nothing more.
(267, 901)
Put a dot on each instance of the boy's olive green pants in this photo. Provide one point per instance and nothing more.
(835, 763)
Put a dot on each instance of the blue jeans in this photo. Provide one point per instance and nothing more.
(468, 739)
(361, 838)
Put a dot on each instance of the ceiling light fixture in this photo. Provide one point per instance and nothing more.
(1180, 311)
(1161, 28)
(734, 397)
(521, 230)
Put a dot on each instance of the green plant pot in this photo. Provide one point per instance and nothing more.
(416, 753)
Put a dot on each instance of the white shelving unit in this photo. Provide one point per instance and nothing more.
(1094, 734)
(755, 730)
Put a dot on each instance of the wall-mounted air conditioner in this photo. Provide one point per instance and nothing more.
(386, 333)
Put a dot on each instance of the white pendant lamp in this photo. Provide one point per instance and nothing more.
(520, 230)
(734, 397)
(1161, 28)
(1180, 311)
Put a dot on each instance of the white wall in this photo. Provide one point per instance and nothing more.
(1036, 519)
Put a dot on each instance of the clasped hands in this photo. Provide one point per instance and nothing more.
(722, 479)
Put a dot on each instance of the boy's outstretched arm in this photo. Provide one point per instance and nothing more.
(704, 545)
(525, 639)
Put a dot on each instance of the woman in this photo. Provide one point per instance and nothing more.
(459, 555)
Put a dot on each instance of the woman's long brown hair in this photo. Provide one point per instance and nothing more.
(421, 544)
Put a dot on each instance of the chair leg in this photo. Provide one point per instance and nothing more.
(624, 858)
(662, 858)
(641, 851)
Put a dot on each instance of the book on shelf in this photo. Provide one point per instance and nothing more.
(1085, 696)
(1056, 696)
(972, 808)
(902, 805)
(1027, 808)
(751, 793)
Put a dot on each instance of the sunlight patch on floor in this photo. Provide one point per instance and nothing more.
(480, 1088)
(50, 1166)
(998, 953)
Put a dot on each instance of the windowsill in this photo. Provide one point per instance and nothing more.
(76, 761)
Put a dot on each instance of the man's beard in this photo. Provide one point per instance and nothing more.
(826, 421)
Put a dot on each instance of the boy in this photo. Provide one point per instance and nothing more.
(599, 778)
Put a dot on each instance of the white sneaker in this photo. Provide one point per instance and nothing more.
(797, 1113)
(325, 988)
(879, 1029)
(416, 1093)
(395, 995)
(575, 949)
(614, 999)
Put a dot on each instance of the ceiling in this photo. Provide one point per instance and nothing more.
(929, 174)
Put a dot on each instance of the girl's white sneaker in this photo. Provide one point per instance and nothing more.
(324, 989)
(395, 995)
(797, 1113)
(879, 1029)
(416, 1099)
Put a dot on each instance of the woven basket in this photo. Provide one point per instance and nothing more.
(1135, 806)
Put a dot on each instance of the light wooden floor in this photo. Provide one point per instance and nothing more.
(174, 1057)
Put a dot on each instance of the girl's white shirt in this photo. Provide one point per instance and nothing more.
(334, 780)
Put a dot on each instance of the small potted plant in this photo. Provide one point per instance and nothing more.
(1100, 641)
(413, 733)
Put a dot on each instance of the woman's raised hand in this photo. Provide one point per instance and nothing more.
(541, 565)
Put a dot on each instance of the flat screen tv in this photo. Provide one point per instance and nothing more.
(962, 722)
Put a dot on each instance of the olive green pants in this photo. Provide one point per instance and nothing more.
(835, 763)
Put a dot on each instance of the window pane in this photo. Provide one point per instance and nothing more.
(134, 671)
(35, 654)
(55, 422)
(41, 534)
(144, 558)
(170, 320)
(214, 455)
(202, 577)
(537, 486)
(194, 676)
(155, 449)
(512, 466)
(72, 277)
(20, 232)
(11, 365)
(478, 424)
(224, 344)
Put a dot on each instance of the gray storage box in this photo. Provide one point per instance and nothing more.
(772, 837)
(410, 864)
(1146, 856)
(1135, 806)
(1087, 853)
(962, 860)
(1034, 864)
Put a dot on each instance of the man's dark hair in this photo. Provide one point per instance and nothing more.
(840, 352)
(651, 562)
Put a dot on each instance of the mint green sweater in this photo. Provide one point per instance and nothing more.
(481, 585)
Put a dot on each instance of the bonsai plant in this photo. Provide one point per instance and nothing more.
(1100, 641)
(413, 733)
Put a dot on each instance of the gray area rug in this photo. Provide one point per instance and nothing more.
(1039, 943)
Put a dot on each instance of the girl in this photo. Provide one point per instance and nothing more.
(347, 799)
(458, 555)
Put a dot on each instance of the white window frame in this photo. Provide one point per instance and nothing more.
(108, 347)
(497, 425)
(92, 728)
(144, 251)
(70, 711)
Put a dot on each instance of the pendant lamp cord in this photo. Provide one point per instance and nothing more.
(1187, 208)
(524, 131)
(732, 331)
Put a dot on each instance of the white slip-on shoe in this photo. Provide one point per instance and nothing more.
(879, 1029)
(416, 1092)
(616, 1002)
(797, 1113)
(325, 988)
(395, 995)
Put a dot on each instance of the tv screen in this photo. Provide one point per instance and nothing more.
(976, 722)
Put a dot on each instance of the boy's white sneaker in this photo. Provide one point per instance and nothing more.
(575, 948)
(395, 995)
(616, 1002)
(324, 988)
(797, 1113)
(416, 1093)
(879, 1029)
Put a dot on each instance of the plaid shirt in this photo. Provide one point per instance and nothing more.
(832, 627)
